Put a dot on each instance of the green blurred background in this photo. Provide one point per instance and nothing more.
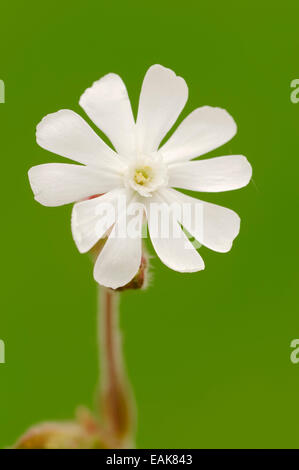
(208, 353)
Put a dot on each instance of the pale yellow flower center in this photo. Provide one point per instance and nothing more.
(143, 175)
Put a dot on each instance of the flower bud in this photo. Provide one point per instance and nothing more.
(139, 281)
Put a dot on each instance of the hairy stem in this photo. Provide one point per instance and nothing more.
(117, 405)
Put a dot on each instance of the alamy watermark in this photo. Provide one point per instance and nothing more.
(2, 351)
(295, 353)
(120, 219)
(2, 91)
(295, 93)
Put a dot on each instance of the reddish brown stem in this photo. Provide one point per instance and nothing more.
(116, 399)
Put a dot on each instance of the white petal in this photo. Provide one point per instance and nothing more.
(163, 96)
(120, 258)
(67, 134)
(107, 104)
(55, 184)
(169, 241)
(212, 175)
(92, 218)
(215, 227)
(203, 130)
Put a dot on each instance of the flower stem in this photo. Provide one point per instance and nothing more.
(116, 403)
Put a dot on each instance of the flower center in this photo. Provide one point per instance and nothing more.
(143, 175)
(146, 174)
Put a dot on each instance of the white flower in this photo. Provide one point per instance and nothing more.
(139, 169)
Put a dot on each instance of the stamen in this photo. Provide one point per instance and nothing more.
(146, 174)
(143, 175)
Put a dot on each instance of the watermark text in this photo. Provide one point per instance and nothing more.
(2, 91)
(2, 352)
